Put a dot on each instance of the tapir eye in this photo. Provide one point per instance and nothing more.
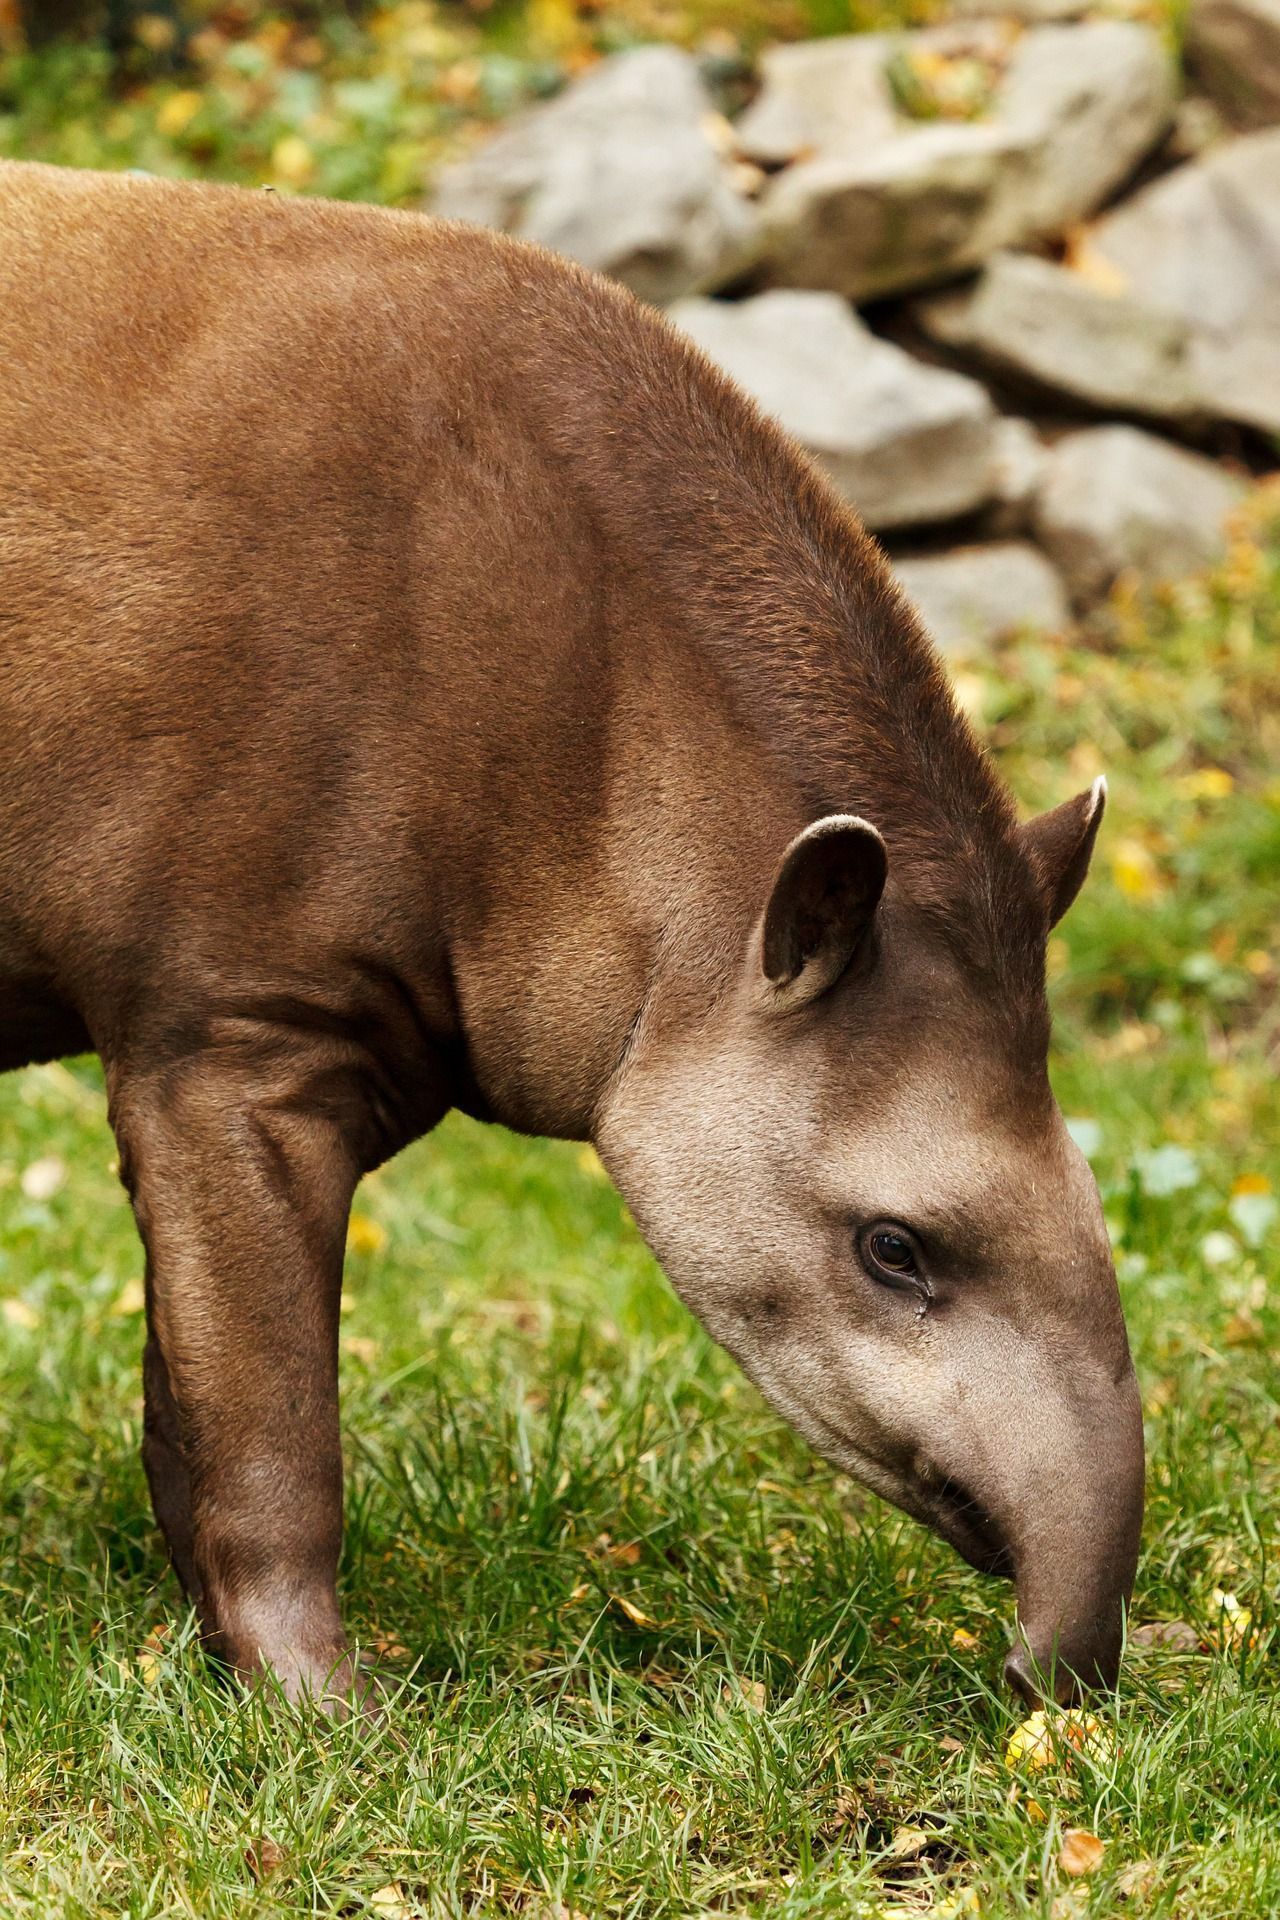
(890, 1257)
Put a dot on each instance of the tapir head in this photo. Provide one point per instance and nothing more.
(854, 1171)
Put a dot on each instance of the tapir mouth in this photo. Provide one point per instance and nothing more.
(965, 1524)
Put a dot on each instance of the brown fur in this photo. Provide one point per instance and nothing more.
(417, 660)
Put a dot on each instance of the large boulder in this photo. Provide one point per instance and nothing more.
(905, 443)
(1115, 499)
(1203, 243)
(1233, 48)
(1093, 99)
(619, 172)
(925, 205)
(1042, 322)
(972, 595)
(820, 96)
(1076, 109)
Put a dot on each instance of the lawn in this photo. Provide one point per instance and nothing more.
(653, 1658)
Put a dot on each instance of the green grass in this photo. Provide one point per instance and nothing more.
(654, 1658)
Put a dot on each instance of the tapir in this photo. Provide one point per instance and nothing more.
(426, 683)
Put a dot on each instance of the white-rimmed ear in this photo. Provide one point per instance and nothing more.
(823, 901)
(1060, 844)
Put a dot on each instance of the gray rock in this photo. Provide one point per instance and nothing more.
(905, 443)
(926, 205)
(1115, 498)
(1096, 98)
(828, 96)
(1077, 109)
(1233, 48)
(1204, 243)
(1043, 322)
(978, 594)
(1031, 13)
(1017, 470)
(620, 173)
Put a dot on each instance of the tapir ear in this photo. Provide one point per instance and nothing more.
(1061, 845)
(823, 900)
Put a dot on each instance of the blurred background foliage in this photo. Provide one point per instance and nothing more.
(335, 96)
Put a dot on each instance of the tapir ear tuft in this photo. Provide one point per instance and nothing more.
(821, 907)
(1060, 844)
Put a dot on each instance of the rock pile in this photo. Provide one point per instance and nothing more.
(1051, 234)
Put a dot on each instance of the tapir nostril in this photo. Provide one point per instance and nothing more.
(1031, 1683)
(1019, 1676)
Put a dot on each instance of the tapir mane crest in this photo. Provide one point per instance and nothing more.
(767, 571)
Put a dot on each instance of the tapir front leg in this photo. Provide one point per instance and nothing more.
(241, 1179)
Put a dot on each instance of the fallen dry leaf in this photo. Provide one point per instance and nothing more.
(1136, 1879)
(632, 1611)
(148, 1656)
(1081, 1851)
(1043, 1738)
(1234, 1622)
(390, 1899)
(263, 1856)
(949, 1744)
(964, 1641)
(1174, 1636)
(908, 1843)
(753, 1692)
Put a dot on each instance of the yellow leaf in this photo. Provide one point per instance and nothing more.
(148, 1657)
(956, 1906)
(177, 113)
(632, 1611)
(1080, 1852)
(1031, 1743)
(1251, 1183)
(365, 1235)
(1135, 871)
(1207, 783)
(390, 1899)
(964, 1641)
(580, 1592)
(19, 1314)
(132, 1298)
(1036, 1812)
(292, 161)
(1234, 1620)
(1043, 1738)
(754, 1693)
(909, 1842)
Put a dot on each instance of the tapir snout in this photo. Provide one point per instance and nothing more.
(1075, 1559)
